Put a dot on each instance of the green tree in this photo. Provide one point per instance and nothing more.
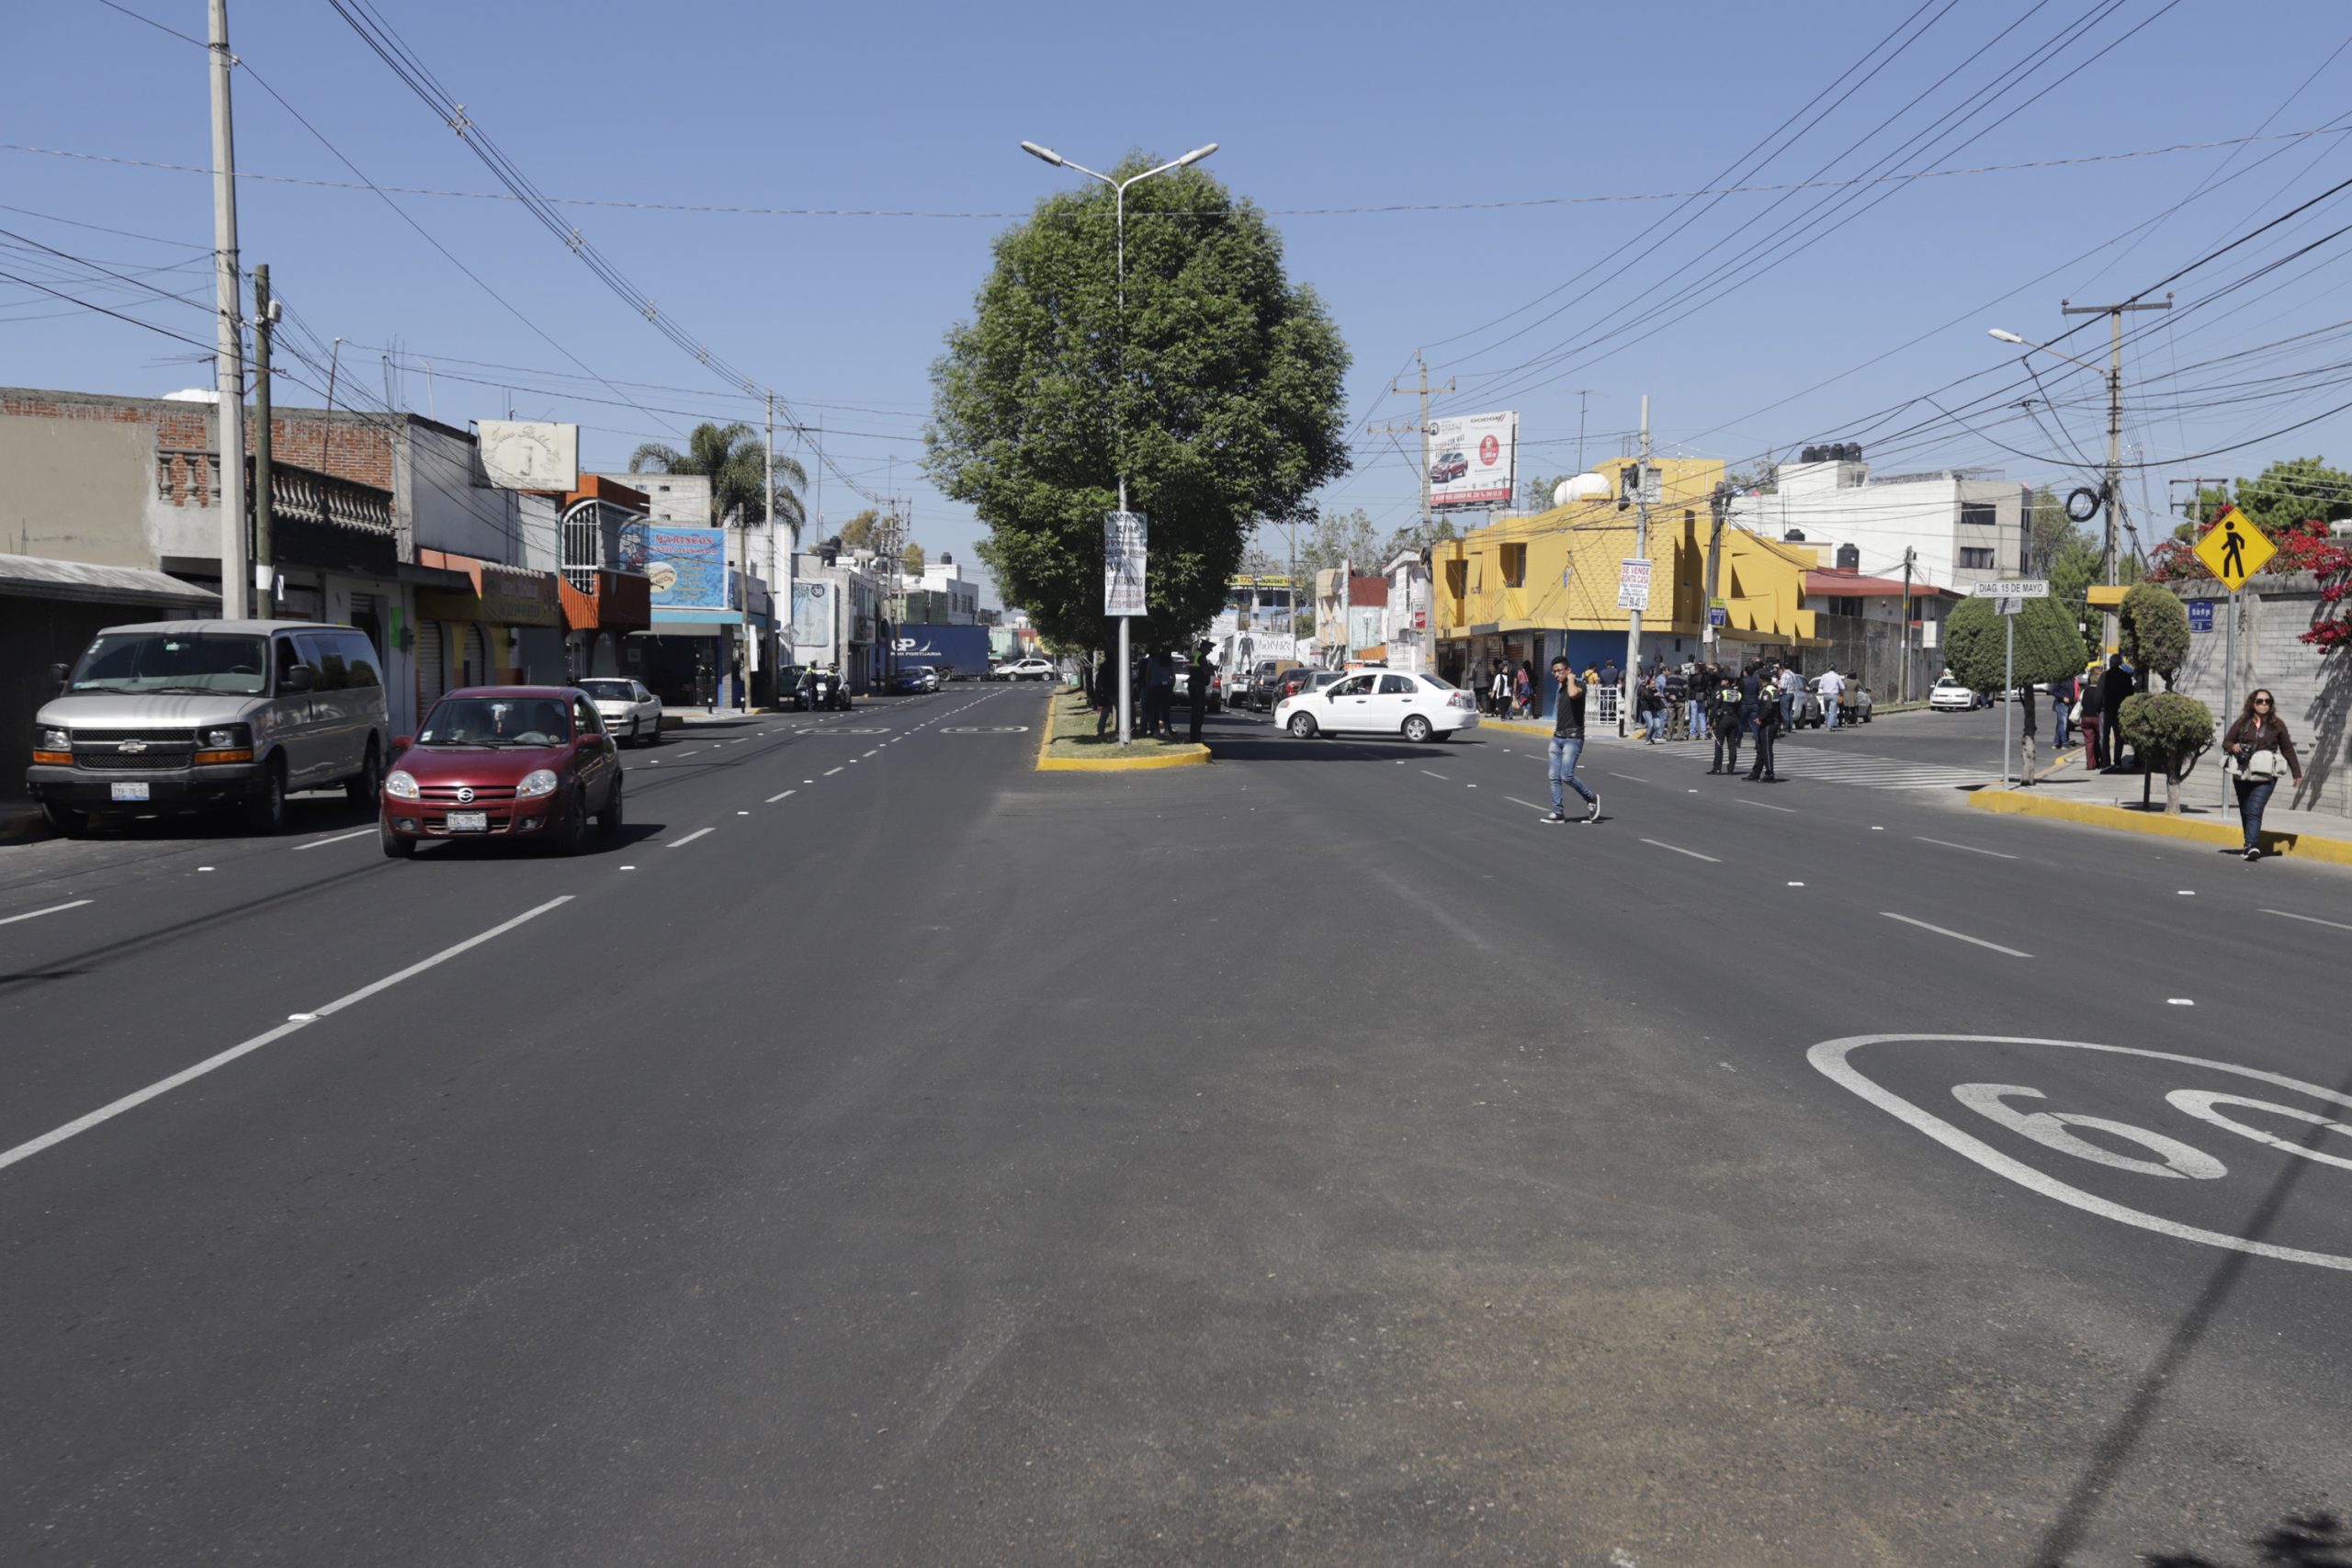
(1217, 390)
(914, 560)
(735, 460)
(1535, 491)
(2294, 492)
(2153, 626)
(2049, 644)
(863, 532)
(2168, 731)
(1342, 536)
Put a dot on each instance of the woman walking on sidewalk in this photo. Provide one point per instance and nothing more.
(2256, 749)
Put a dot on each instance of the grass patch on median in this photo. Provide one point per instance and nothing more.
(1071, 744)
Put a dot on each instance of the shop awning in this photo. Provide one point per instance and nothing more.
(503, 595)
(38, 577)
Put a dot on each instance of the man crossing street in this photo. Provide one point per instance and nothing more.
(1567, 745)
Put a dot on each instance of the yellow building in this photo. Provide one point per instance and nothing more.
(1529, 588)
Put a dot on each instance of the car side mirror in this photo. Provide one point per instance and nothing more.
(296, 681)
(402, 743)
(58, 672)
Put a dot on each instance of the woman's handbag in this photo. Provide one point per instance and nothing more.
(2261, 765)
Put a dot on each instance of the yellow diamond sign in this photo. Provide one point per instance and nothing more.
(2234, 548)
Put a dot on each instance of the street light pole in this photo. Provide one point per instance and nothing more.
(1118, 416)
(236, 572)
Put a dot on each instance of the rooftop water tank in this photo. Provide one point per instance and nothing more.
(1583, 487)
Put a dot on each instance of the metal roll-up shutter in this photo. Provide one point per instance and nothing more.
(432, 667)
(477, 657)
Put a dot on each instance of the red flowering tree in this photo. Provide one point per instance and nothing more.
(2282, 502)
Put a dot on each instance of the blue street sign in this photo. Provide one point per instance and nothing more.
(2200, 615)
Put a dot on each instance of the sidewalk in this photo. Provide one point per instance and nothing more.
(2063, 791)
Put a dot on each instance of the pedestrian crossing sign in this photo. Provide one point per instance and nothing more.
(2234, 548)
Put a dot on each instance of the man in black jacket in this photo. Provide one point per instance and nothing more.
(2095, 732)
(1768, 723)
(2115, 685)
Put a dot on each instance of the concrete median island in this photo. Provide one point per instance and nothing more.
(1070, 746)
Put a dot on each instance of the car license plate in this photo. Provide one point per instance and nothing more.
(470, 821)
(131, 792)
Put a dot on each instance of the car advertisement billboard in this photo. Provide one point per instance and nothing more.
(1474, 459)
(686, 567)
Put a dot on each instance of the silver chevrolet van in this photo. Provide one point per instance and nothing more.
(194, 715)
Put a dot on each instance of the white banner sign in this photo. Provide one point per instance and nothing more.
(1474, 459)
(530, 454)
(1126, 537)
(1634, 586)
(2021, 588)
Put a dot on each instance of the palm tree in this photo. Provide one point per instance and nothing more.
(732, 457)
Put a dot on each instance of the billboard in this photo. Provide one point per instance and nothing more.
(686, 567)
(525, 454)
(1474, 459)
(813, 614)
(1126, 537)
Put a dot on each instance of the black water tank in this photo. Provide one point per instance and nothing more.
(1810, 455)
(1794, 537)
(1849, 558)
(1853, 451)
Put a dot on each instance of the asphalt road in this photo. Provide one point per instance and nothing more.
(887, 1153)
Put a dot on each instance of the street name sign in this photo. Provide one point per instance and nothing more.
(2234, 548)
(1125, 538)
(1633, 585)
(2017, 588)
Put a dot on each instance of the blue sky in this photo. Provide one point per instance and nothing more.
(922, 107)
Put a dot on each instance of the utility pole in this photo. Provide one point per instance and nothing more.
(1582, 393)
(1720, 504)
(1903, 687)
(779, 582)
(264, 319)
(1641, 552)
(2114, 486)
(1420, 389)
(236, 575)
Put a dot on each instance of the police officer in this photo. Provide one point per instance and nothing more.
(1768, 725)
(1196, 687)
(1723, 717)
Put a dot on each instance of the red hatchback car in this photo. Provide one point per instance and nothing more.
(504, 762)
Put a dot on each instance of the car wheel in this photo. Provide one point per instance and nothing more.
(266, 808)
(1418, 729)
(573, 831)
(66, 822)
(1302, 725)
(395, 847)
(366, 787)
(608, 820)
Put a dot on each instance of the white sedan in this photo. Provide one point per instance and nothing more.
(1031, 668)
(1380, 702)
(631, 714)
(1951, 694)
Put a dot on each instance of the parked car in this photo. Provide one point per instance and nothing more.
(631, 714)
(1183, 698)
(504, 763)
(191, 716)
(1950, 694)
(1291, 682)
(1380, 702)
(1030, 668)
(912, 682)
(821, 691)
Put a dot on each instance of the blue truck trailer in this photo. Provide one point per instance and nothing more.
(964, 651)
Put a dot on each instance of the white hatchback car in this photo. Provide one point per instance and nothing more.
(1380, 702)
(631, 714)
(1951, 694)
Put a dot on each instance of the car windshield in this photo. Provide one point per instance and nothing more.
(608, 691)
(174, 661)
(496, 721)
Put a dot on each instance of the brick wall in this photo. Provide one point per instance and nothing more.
(187, 468)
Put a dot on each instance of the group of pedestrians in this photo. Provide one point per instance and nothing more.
(1509, 691)
(1153, 681)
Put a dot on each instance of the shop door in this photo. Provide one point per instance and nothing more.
(432, 666)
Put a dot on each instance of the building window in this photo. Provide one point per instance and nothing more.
(1975, 560)
(1977, 514)
(1514, 566)
(1457, 578)
(1845, 605)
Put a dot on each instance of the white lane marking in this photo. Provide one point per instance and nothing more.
(1680, 850)
(831, 772)
(314, 843)
(774, 799)
(1529, 804)
(1437, 776)
(57, 909)
(870, 753)
(1972, 848)
(690, 838)
(1940, 931)
(677, 754)
(1762, 805)
(1830, 1056)
(2282, 914)
(165, 1086)
(1634, 777)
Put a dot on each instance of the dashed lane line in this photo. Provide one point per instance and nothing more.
(339, 838)
(1768, 806)
(690, 838)
(1439, 776)
(1956, 936)
(831, 772)
(1529, 804)
(1972, 848)
(2282, 914)
(294, 1023)
(61, 908)
(774, 799)
(1677, 849)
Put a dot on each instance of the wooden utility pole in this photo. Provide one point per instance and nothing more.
(1422, 390)
(264, 319)
(1626, 677)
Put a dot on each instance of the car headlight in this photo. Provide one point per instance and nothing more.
(226, 735)
(537, 783)
(400, 784)
(55, 740)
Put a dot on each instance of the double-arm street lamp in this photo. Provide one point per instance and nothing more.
(1118, 429)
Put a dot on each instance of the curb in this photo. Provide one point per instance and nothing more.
(1191, 758)
(2302, 846)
